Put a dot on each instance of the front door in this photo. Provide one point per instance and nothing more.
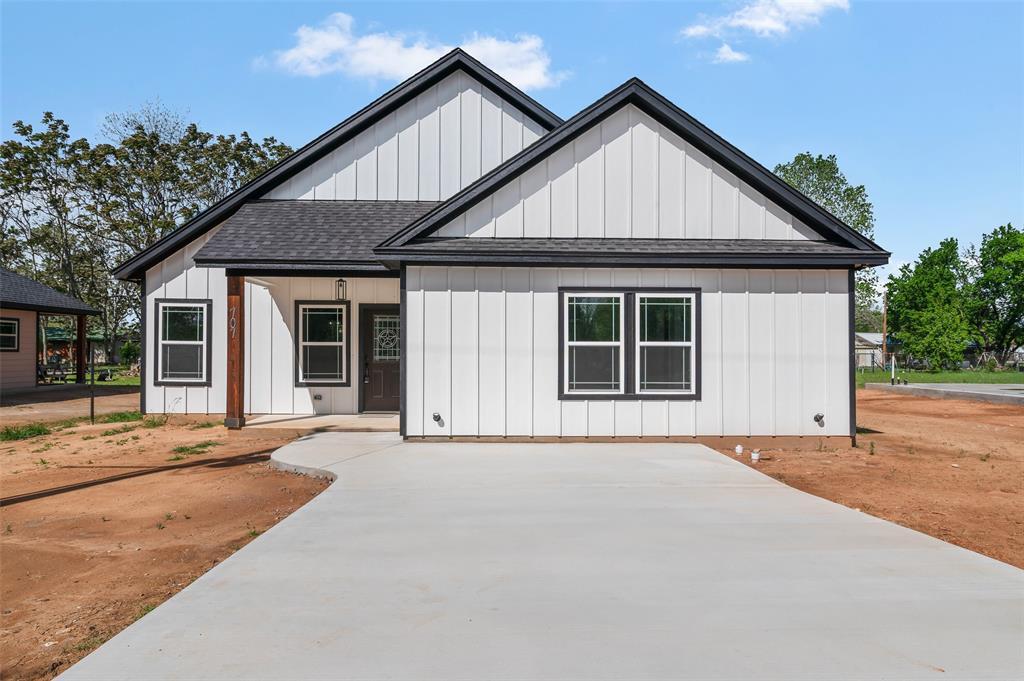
(380, 350)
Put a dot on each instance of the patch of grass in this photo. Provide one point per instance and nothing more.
(160, 526)
(90, 643)
(88, 437)
(68, 423)
(871, 448)
(24, 432)
(962, 376)
(168, 516)
(117, 431)
(45, 448)
(154, 421)
(145, 610)
(176, 457)
(254, 533)
(198, 448)
(42, 462)
(120, 417)
(204, 424)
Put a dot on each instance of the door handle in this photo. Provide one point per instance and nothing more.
(366, 372)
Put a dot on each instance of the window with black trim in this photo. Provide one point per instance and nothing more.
(10, 328)
(183, 342)
(629, 343)
(322, 343)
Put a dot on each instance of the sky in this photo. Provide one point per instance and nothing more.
(922, 102)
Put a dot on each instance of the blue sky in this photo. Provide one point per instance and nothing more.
(923, 102)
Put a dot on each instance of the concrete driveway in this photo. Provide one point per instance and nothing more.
(574, 561)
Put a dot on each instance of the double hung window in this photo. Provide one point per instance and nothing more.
(183, 342)
(322, 341)
(629, 343)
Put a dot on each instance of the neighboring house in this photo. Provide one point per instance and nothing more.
(22, 300)
(456, 252)
(869, 349)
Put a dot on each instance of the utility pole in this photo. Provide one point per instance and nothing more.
(885, 323)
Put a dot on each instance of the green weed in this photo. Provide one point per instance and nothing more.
(24, 432)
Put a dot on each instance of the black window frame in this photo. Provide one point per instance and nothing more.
(297, 343)
(17, 334)
(206, 303)
(629, 295)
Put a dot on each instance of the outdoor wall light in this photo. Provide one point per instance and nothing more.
(342, 292)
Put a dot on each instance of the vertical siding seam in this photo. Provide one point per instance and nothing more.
(773, 351)
(630, 143)
(800, 349)
(423, 341)
(737, 194)
(746, 340)
(657, 183)
(721, 357)
(504, 351)
(451, 357)
(533, 348)
(824, 350)
(685, 199)
(476, 300)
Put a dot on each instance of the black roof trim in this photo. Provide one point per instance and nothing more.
(635, 91)
(457, 59)
(286, 266)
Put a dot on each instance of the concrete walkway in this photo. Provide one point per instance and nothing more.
(574, 561)
(996, 393)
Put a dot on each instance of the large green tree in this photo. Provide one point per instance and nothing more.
(820, 179)
(994, 291)
(926, 306)
(71, 210)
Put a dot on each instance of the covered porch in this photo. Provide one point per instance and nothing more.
(314, 319)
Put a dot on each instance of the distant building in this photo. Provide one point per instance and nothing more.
(22, 301)
(868, 347)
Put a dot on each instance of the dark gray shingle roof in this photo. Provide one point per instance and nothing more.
(309, 233)
(22, 293)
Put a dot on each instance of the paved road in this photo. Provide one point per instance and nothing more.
(574, 561)
(997, 393)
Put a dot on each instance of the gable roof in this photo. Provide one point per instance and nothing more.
(308, 235)
(457, 59)
(21, 293)
(638, 93)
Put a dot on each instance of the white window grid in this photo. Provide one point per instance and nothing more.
(201, 342)
(621, 344)
(15, 325)
(303, 343)
(670, 344)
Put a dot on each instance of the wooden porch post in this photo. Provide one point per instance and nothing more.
(235, 405)
(81, 363)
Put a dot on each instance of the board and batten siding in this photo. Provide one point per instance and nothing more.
(269, 342)
(482, 352)
(426, 150)
(628, 177)
(269, 348)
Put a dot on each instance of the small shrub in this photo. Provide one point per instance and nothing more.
(24, 432)
(154, 421)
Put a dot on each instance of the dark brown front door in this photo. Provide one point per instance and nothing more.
(380, 350)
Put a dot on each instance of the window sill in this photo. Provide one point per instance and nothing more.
(629, 397)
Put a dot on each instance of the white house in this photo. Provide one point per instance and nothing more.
(458, 253)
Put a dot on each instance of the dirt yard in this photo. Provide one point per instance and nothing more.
(53, 402)
(84, 561)
(950, 468)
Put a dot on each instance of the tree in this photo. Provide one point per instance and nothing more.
(71, 210)
(994, 291)
(926, 307)
(820, 179)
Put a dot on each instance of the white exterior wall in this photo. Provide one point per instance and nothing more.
(426, 150)
(269, 343)
(482, 351)
(628, 177)
(269, 347)
(178, 277)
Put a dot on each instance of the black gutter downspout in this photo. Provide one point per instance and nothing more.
(853, 358)
(403, 345)
(142, 347)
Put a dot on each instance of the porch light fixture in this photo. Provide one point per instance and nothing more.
(342, 290)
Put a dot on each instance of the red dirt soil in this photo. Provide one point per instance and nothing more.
(953, 469)
(80, 565)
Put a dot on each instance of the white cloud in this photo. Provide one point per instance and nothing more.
(335, 47)
(765, 18)
(727, 55)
